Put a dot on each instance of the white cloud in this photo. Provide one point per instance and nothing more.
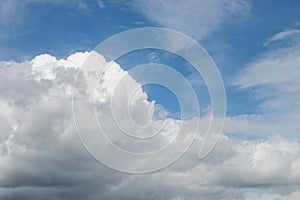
(41, 157)
(283, 35)
(273, 79)
(195, 18)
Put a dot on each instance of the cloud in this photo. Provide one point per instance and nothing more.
(273, 79)
(101, 4)
(195, 18)
(42, 158)
(283, 35)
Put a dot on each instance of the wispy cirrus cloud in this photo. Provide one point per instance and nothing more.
(289, 34)
(273, 79)
(195, 18)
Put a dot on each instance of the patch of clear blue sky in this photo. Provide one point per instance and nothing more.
(160, 94)
(61, 29)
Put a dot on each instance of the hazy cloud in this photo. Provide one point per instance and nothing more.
(273, 79)
(195, 18)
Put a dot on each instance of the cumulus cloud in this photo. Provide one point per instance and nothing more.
(42, 158)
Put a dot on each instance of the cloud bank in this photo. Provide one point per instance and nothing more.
(41, 156)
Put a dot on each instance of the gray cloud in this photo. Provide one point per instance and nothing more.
(42, 158)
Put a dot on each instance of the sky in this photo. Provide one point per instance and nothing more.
(46, 45)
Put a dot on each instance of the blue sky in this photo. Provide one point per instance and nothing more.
(59, 28)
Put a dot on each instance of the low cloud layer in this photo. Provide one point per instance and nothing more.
(41, 156)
